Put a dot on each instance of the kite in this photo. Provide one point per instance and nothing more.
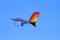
(33, 19)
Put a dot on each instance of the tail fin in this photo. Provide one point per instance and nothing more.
(33, 19)
(33, 23)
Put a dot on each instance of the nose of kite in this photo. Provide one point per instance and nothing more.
(38, 13)
(13, 19)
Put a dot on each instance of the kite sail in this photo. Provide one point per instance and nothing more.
(33, 19)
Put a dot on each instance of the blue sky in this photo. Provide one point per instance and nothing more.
(48, 24)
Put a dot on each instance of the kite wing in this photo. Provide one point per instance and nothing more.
(20, 20)
(33, 19)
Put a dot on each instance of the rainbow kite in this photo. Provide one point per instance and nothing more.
(33, 19)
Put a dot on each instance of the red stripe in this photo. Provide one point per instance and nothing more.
(33, 15)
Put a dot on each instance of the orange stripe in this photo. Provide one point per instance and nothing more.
(34, 16)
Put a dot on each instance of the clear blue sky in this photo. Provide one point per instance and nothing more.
(48, 24)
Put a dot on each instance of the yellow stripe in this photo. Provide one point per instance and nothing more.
(34, 20)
